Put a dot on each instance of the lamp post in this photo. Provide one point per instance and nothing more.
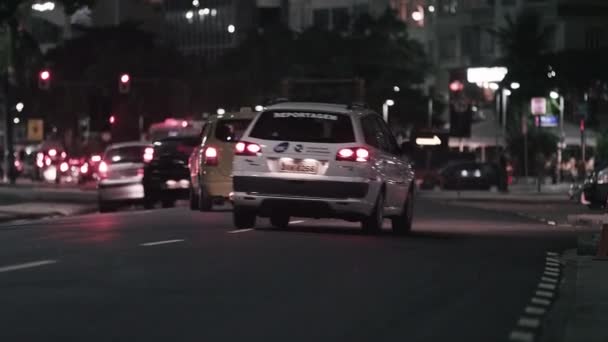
(562, 136)
(385, 105)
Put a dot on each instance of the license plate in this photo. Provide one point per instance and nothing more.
(298, 166)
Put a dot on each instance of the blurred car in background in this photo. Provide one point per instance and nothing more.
(166, 175)
(89, 169)
(594, 192)
(121, 172)
(211, 163)
(463, 176)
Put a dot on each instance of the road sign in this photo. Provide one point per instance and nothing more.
(549, 121)
(538, 106)
(35, 130)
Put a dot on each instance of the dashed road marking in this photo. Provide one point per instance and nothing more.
(533, 310)
(551, 259)
(548, 280)
(296, 222)
(156, 243)
(552, 254)
(540, 301)
(545, 294)
(552, 269)
(527, 322)
(26, 265)
(546, 286)
(240, 231)
(521, 336)
(551, 264)
(552, 274)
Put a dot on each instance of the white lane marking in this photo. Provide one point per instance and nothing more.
(540, 301)
(240, 231)
(545, 294)
(546, 286)
(552, 223)
(296, 222)
(533, 310)
(552, 269)
(551, 264)
(550, 259)
(26, 265)
(552, 254)
(528, 322)
(156, 243)
(548, 280)
(552, 274)
(521, 336)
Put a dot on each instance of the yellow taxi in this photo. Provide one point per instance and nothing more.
(211, 162)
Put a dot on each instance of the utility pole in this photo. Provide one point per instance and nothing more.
(10, 82)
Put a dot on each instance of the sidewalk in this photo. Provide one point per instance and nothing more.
(36, 210)
(511, 196)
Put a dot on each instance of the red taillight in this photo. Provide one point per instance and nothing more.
(84, 168)
(103, 169)
(96, 159)
(211, 156)
(359, 154)
(52, 152)
(247, 149)
(64, 167)
(148, 154)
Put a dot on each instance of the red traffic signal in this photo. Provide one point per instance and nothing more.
(124, 84)
(456, 86)
(112, 119)
(44, 79)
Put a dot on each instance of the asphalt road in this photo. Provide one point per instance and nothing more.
(464, 274)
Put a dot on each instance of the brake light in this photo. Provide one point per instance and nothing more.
(103, 169)
(52, 152)
(96, 159)
(243, 148)
(211, 155)
(84, 168)
(64, 167)
(358, 154)
(148, 154)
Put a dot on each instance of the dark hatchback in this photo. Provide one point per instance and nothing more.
(166, 175)
(463, 176)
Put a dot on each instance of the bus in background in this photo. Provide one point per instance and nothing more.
(174, 128)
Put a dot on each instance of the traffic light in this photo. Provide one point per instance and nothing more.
(44, 79)
(124, 84)
(112, 119)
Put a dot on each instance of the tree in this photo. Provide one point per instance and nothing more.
(525, 42)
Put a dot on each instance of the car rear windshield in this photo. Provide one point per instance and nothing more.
(127, 154)
(305, 127)
(231, 130)
(175, 146)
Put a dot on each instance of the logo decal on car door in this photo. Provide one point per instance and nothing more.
(282, 147)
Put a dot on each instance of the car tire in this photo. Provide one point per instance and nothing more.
(105, 207)
(243, 218)
(373, 223)
(193, 199)
(168, 203)
(279, 221)
(205, 203)
(402, 224)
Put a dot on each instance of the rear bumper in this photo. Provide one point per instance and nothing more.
(300, 188)
(120, 192)
(310, 198)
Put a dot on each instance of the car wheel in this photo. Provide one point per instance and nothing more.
(105, 207)
(193, 199)
(243, 217)
(279, 221)
(168, 203)
(373, 223)
(205, 202)
(402, 224)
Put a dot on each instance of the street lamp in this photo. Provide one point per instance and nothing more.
(16, 120)
(554, 95)
(431, 8)
(221, 111)
(396, 89)
(259, 108)
(19, 107)
(231, 28)
(515, 85)
(385, 105)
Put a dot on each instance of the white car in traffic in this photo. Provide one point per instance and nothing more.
(321, 161)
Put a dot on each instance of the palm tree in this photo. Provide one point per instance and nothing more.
(525, 41)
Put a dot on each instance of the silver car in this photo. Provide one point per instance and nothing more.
(321, 160)
(121, 173)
